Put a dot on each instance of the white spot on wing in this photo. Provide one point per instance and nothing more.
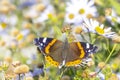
(44, 40)
(41, 44)
(89, 59)
(61, 65)
(89, 50)
(87, 45)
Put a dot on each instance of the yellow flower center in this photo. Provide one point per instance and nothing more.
(54, 19)
(3, 25)
(20, 36)
(2, 43)
(114, 19)
(78, 30)
(99, 30)
(71, 16)
(50, 15)
(81, 11)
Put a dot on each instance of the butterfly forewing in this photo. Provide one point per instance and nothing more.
(89, 48)
(42, 43)
(56, 51)
(51, 48)
(73, 53)
(73, 57)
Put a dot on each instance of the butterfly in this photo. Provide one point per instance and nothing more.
(59, 53)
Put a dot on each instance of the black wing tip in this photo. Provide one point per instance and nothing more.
(35, 41)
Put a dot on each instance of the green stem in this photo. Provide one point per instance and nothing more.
(115, 45)
(61, 74)
(108, 45)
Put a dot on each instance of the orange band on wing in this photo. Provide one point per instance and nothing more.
(56, 64)
(73, 63)
(82, 53)
(51, 61)
(49, 45)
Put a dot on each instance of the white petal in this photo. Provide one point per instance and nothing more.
(108, 29)
(102, 26)
(91, 3)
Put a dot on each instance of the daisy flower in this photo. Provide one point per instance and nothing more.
(22, 34)
(80, 8)
(95, 27)
(3, 22)
(113, 17)
(6, 21)
(71, 17)
(45, 15)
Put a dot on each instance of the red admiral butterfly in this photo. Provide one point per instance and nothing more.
(61, 53)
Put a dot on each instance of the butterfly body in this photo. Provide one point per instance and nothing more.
(63, 53)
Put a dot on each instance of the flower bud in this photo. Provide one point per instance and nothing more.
(21, 69)
(101, 65)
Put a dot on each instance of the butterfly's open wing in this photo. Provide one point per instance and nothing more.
(51, 48)
(78, 51)
(57, 52)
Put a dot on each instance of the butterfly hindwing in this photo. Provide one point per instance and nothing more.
(56, 51)
(79, 51)
(73, 56)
